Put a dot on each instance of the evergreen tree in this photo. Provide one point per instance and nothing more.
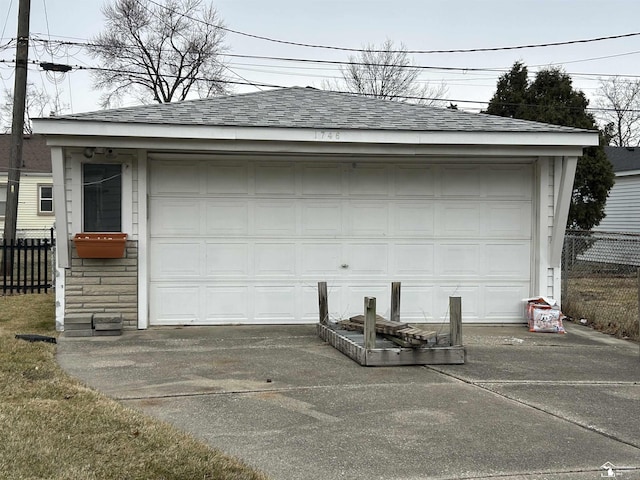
(551, 98)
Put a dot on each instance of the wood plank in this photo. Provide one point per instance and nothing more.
(369, 323)
(323, 304)
(455, 320)
(395, 302)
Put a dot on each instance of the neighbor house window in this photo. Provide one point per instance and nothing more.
(45, 199)
(102, 197)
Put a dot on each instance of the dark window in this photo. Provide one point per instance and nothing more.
(45, 202)
(102, 188)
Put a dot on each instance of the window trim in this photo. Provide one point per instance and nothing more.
(122, 190)
(45, 213)
(75, 195)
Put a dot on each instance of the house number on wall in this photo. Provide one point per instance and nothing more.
(327, 135)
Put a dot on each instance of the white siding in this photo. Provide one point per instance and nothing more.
(28, 218)
(623, 206)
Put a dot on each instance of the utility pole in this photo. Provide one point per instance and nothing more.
(17, 126)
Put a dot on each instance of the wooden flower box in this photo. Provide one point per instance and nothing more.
(100, 245)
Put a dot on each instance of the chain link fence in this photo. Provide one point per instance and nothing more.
(601, 281)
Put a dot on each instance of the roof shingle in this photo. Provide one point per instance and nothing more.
(299, 107)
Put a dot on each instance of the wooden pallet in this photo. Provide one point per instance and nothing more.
(372, 340)
(386, 354)
(411, 334)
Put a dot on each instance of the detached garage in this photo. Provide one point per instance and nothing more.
(235, 207)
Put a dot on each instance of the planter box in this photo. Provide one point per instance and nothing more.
(100, 245)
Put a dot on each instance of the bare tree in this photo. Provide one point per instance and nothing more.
(619, 101)
(159, 51)
(387, 72)
(38, 103)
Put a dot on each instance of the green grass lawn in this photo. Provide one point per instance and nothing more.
(53, 427)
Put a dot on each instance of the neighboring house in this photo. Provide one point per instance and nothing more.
(623, 205)
(237, 206)
(616, 240)
(35, 198)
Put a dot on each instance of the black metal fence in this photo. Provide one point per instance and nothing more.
(27, 265)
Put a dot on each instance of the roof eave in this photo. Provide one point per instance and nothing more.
(56, 127)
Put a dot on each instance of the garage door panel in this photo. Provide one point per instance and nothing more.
(319, 260)
(368, 180)
(461, 181)
(179, 217)
(459, 219)
(227, 304)
(322, 179)
(367, 259)
(228, 179)
(369, 218)
(227, 260)
(503, 302)
(417, 303)
(274, 259)
(507, 260)
(513, 181)
(275, 179)
(276, 218)
(415, 219)
(458, 260)
(275, 304)
(226, 217)
(411, 180)
(512, 220)
(176, 259)
(171, 304)
(413, 260)
(321, 218)
(175, 178)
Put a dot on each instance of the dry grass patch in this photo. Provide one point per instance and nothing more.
(610, 304)
(53, 427)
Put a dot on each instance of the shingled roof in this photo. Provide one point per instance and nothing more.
(36, 155)
(623, 159)
(299, 107)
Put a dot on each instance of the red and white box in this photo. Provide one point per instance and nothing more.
(543, 315)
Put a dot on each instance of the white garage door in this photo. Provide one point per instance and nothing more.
(246, 241)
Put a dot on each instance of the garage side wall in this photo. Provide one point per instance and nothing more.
(104, 285)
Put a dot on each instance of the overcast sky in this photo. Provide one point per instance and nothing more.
(419, 24)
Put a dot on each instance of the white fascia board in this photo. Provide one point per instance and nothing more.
(316, 136)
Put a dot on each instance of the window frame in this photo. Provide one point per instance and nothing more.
(42, 212)
(82, 193)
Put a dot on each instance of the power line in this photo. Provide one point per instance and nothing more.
(413, 52)
(397, 97)
(356, 63)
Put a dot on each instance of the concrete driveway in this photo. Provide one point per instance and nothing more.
(524, 406)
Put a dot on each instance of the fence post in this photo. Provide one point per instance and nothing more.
(455, 320)
(323, 306)
(395, 302)
(639, 310)
(369, 323)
